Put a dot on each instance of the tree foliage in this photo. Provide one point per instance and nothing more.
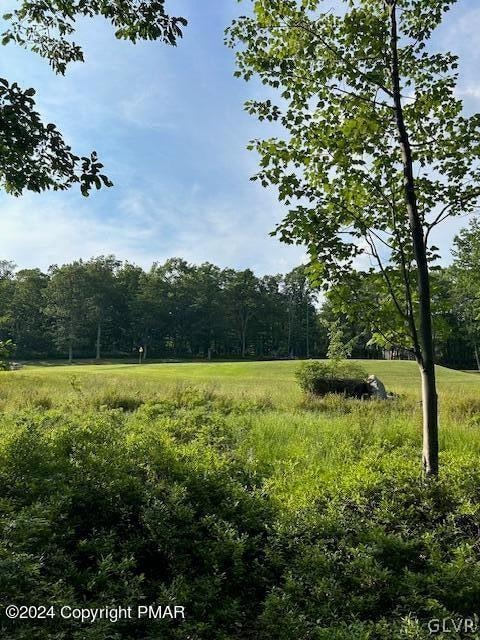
(376, 150)
(338, 168)
(175, 309)
(464, 279)
(7, 349)
(35, 156)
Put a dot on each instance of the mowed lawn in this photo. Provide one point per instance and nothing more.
(273, 379)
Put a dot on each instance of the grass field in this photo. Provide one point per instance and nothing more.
(275, 379)
(303, 439)
(314, 509)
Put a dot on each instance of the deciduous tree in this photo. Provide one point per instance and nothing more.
(242, 294)
(465, 281)
(30, 325)
(66, 305)
(375, 150)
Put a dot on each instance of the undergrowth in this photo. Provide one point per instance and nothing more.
(312, 523)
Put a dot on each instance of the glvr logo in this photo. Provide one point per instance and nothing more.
(454, 625)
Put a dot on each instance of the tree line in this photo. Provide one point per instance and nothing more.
(104, 307)
(363, 307)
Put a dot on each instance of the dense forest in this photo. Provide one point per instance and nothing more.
(104, 308)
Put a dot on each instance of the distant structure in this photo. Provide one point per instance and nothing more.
(397, 353)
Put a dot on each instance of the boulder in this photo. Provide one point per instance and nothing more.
(377, 388)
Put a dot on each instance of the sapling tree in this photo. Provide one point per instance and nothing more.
(374, 152)
(339, 348)
(34, 155)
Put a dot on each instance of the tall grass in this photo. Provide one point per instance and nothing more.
(302, 441)
(269, 513)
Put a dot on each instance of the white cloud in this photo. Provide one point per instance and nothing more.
(471, 91)
(41, 230)
(37, 231)
(203, 228)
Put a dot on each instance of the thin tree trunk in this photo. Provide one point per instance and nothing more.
(308, 332)
(425, 357)
(98, 343)
(243, 331)
(70, 342)
(289, 339)
(477, 358)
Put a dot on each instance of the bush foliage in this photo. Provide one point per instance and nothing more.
(161, 504)
(7, 349)
(102, 510)
(330, 376)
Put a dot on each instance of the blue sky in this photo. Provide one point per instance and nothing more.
(170, 127)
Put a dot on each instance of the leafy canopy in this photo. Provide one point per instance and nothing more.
(335, 157)
(35, 156)
(465, 276)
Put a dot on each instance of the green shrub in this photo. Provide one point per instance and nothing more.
(379, 554)
(105, 509)
(114, 399)
(331, 376)
(7, 349)
(162, 505)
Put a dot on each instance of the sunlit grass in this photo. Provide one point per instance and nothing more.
(300, 442)
(253, 379)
